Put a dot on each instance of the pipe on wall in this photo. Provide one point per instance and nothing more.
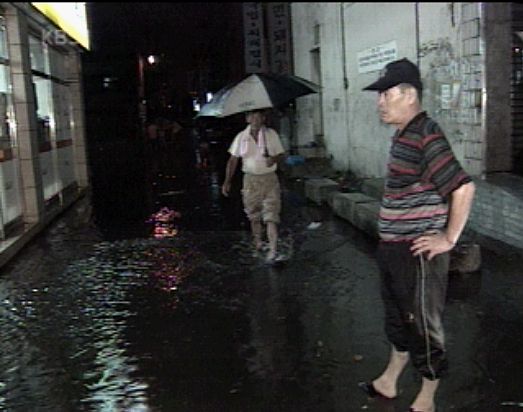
(416, 13)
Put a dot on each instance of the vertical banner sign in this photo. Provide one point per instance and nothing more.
(255, 56)
(279, 38)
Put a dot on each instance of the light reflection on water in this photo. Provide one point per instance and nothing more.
(65, 338)
(160, 324)
(163, 222)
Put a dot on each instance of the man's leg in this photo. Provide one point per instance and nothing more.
(271, 212)
(394, 273)
(386, 382)
(429, 352)
(272, 235)
(252, 203)
(256, 229)
(425, 400)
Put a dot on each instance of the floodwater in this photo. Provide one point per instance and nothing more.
(145, 296)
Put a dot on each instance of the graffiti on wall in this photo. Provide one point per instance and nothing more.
(453, 86)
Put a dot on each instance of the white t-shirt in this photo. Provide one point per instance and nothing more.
(252, 154)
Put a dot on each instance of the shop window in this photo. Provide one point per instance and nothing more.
(38, 54)
(61, 94)
(7, 123)
(3, 39)
(42, 91)
(42, 88)
(51, 91)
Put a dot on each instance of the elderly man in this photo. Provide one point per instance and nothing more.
(260, 149)
(425, 207)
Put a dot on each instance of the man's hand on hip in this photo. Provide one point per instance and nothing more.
(432, 244)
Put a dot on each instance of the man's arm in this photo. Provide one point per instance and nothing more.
(277, 148)
(230, 169)
(460, 205)
(275, 159)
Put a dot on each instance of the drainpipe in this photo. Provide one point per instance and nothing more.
(343, 49)
(2, 228)
(416, 12)
(345, 79)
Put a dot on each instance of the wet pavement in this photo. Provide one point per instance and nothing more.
(145, 296)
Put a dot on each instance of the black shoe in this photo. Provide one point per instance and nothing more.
(371, 392)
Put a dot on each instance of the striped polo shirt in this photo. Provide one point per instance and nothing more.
(422, 172)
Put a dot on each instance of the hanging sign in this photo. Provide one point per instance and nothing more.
(255, 55)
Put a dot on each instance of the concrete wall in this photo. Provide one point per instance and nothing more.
(451, 57)
(369, 25)
(327, 18)
(445, 39)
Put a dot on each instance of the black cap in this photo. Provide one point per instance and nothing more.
(397, 72)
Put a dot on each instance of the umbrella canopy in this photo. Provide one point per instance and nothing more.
(257, 91)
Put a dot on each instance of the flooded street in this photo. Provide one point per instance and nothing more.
(145, 296)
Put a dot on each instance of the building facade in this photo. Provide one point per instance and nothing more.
(471, 61)
(43, 166)
(464, 51)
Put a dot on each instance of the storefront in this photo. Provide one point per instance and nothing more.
(42, 135)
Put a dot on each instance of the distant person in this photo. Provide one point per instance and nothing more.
(163, 131)
(425, 207)
(175, 127)
(152, 134)
(260, 149)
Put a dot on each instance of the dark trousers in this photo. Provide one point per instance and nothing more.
(414, 292)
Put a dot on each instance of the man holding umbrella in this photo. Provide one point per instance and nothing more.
(260, 149)
(259, 146)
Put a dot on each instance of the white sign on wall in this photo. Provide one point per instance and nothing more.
(255, 55)
(377, 57)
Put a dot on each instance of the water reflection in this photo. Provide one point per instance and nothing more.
(71, 327)
(184, 318)
(163, 222)
(87, 330)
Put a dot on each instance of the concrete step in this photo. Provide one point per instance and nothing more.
(362, 211)
(319, 190)
(359, 209)
(373, 187)
(497, 209)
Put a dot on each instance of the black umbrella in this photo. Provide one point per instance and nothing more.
(257, 91)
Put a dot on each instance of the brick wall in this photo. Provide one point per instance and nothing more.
(497, 213)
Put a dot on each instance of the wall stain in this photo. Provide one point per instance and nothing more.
(451, 88)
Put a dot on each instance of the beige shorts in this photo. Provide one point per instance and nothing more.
(262, 197)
